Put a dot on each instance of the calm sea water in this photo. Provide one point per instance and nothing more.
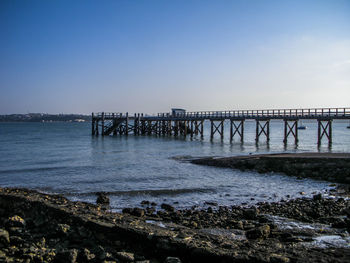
(64, 158)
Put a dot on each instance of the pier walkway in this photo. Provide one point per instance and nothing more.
(191, 123)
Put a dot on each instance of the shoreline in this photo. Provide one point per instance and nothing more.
(50, 228)
(332, 167)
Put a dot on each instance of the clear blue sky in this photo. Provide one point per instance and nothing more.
(147, 56)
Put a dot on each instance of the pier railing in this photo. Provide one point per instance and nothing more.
(248, 114)
(272, 113)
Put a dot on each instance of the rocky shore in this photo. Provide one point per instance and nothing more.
(36, 227)
(333, 167)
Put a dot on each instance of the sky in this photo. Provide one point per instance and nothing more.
(148, 56)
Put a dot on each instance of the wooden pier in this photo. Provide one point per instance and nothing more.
(192, 123)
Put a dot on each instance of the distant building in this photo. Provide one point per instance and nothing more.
(176, 111)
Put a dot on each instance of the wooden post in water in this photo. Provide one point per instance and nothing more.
(222, 130)
(324, 129)
(262, 129)
(103, 124)
(236, 129)
(127, 124)
(96, 129)
(135, 124)
(257, 131)
(92, 124)
(202, 129)
(211, 129)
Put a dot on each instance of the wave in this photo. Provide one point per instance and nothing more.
(41, 169)
(29, 170)
(153, 192)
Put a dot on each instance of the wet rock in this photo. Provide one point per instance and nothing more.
(167, 207)
(250, 213)
(16, 240)
(211, 203)
(317, 197)
(15, 221)
(172, 260)
(100, 253)
(145, 202)
(259, 232)
(339, 223)
(127, 210)
(275, 258)
(125, 256)
(150, 210)
(62, 229)
(137, 212)
(102, 199)
(4, 238)
(67, 256)
(86, 255)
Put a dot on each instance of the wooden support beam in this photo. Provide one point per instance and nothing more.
(149, 127)
(136, 125)
(127, 124)
(96, 129)
(191, 128)
(219, 128)
(103, 124)
(176, 128)
(324, 130)
(290, 129)
(262, 128)
(236, 129)
(92, 124)
(202, 129)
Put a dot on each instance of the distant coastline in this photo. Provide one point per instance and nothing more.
(44, 117)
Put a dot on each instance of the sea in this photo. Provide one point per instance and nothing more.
(63, 158)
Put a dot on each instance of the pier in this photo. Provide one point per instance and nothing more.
(182, 123)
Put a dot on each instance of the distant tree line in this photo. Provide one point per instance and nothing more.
(43, 117)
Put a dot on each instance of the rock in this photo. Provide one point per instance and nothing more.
(67, 256)
(317, 197)
(86, 255)
(339, 223)
(102, 199)
(145, 202)
(100, 253)
(172, 260)
(167, 207)
(127, 210)
(2, 256)
(125, 256)
(4, 238)
(62, 229)
(275, 258)
(138, 212)
(250, 213)
(16, 240)
(16, 221)
(259, 232)
(211, 203)
(346, 211)
(239, 225)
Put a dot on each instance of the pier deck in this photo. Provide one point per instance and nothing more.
(191, 123)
